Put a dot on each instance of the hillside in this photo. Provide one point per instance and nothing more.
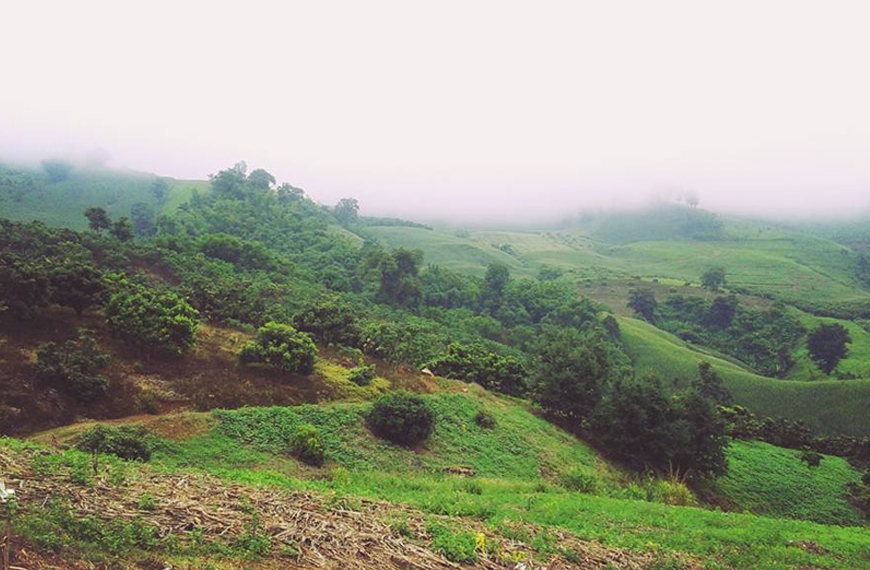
(477, 397)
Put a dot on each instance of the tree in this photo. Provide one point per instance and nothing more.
(713, 279)
(73, 367)
(827, 345)
(280, 346)
(150, 319)
(122, 230)
(692, 199)
(330, 320)
(24, 286)
(230, 183)
(474, 363)
(709, 385)
(346, 211)
(401, 417)
(77, 285)
(260, 179)
(98, 219)
(637, 423)
(160, 189)
(493, 288)
(57, 170)
(643, 302)
(570, 372)
(722, 312)
(143, 216)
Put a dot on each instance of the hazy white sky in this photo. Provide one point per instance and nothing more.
(458, 108)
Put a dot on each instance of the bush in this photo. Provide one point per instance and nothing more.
(580, 481)
(127, 442)
(455, 547)
(148, 318)
(810, 457)
(73, 367)
(306, 445)
(401, 417)
(362, 375)
(485, 419)
(282, 347)
(329, 320)
(474, 363)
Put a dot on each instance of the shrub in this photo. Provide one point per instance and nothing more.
(485, 419)
(362, 375)
(330, 321)
(401, 417)
(580, 481)
(73, 367)
(306, 445)
(810, 457)
(474, 363)
(127, 442)
(282, 347)
(147, 318)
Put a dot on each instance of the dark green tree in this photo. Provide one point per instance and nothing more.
(143, 218)
(569, 374)
(260, 180)
(281, 346)
(57, 170)
(98, 219)
(474, 363)
(709, 385)
(150, 319)
(24, 286)
(122, 230)
(160, 189)
(346, 211)
(827, 345)
(643, 302)
(713, 279)
(330, 320)
(401, 417)
(77, 285)
(73, 367)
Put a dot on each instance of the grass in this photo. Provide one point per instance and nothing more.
(828, 406)
(520, 448)
(856, 364)
(773, 481)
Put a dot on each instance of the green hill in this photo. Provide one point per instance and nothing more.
(827, 406)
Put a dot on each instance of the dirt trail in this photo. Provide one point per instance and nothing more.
(307, 530)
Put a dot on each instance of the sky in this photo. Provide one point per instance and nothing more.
(471, 110)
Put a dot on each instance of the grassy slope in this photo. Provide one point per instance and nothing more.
(773, 481)
(856, 363)
(829, 406)
(522, 447)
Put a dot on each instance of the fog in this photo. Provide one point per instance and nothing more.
(464, 111)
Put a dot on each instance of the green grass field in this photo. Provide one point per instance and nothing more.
(772, 481)
(827, 406)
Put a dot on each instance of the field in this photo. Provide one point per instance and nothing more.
(827, 406)
(772, 481)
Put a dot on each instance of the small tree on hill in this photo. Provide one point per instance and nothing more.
(150, 319)
(24, 286)
(282, 347)
(346, 211)
(77, 285)
(57, 170)
(401, 417)
(709, 385)
(73, 367)
(827, 345)
(122, 230)
(98, 219)
(713, 279)
(643, 302)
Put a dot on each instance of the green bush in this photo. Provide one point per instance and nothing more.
(73, 367)
(580, 481)
(282, 347)
(485, 419)
(401, 417)
(474, 363)
(362, 375)
(127, 442)
(330, 321)
(307, 446)
(147, 318)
